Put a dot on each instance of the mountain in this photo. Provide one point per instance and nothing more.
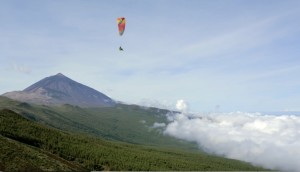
(58, 90)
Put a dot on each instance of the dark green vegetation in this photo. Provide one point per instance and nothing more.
(126, 123)
(16, 156)
(27, 145)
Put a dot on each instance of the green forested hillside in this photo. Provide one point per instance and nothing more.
(16, 156)
(127, 123)
(32, 146)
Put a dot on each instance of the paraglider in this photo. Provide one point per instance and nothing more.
(121, 25)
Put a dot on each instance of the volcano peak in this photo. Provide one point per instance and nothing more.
(59, 89)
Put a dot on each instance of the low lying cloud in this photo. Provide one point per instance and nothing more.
(158, 125)
(182, 106)
(147, 103)
(265, 140)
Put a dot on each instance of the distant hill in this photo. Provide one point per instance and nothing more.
(28, 146)
(59, 90)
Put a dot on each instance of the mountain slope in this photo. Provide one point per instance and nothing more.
(127, 123)
(81, 152)
(16, 156)
(20, 153)
(58, 90)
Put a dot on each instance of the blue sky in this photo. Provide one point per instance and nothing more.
(240, 55)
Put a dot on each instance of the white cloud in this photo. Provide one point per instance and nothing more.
(158, 125)
(147, 103)
(266, 140)
(21, 68)
(181, 105)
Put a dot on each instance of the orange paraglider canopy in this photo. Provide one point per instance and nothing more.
(121, 25)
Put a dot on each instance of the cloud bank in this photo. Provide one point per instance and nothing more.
(265, 140)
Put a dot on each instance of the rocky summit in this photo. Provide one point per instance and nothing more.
(58, 90)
